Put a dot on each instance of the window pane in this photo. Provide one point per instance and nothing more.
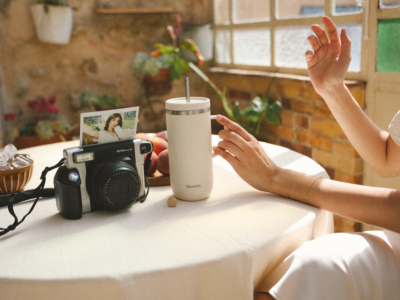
(252, 46)
(343, 7)
(355, 33)
(294, 9)
(250, 10)
(387, 57)
(290, 46)
(389, 3)
(221, 11)
(223, 46)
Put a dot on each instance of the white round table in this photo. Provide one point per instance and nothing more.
(219, 248)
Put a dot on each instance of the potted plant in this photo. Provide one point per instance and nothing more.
(53, 21)
(185, 55)
(152, 68)
(261, 108)
(44, 126)
(166, 62)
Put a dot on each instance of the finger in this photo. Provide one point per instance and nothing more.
(321, 34)
(233, 137)
(233, 161)
(309, 56)
(232, 148)
(346, 45)
(331, 28)
(234, 127)
(314, 43)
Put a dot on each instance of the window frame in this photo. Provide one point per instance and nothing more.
(273, 23)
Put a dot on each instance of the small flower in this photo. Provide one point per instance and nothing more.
(39, 108)
(10, 116)
(49, 108)
(52, 99)
(56, 109)
(32, 104)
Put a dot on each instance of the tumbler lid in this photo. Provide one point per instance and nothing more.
(179, 104)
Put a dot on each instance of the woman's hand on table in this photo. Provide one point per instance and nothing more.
(376, 206)
(245, 154)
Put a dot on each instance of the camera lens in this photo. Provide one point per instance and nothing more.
(118, 185)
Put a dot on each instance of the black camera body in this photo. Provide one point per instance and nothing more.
(107, 176)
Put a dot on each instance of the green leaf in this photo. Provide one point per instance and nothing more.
(258, 104)
(178, 67)
(165, 49)
(252, 116)
(187, 45)
(273, 114)
(236, 114)
(221, 94)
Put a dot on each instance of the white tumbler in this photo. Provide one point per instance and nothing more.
(189, 146)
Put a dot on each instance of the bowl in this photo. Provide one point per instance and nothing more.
(15, 179)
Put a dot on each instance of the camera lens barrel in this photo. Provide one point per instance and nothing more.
(117, 185)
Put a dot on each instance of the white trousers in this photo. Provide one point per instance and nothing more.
(342, 266)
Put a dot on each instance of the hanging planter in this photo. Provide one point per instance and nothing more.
(159, 84)
(53, 23)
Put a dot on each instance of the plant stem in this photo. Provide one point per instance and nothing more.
(259, 125)
(220, 93)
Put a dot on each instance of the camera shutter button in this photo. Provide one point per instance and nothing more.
(73, 176)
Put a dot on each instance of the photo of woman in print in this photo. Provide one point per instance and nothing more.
(107, 135)
(108, 126)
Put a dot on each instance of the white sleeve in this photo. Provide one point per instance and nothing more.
(394, 128)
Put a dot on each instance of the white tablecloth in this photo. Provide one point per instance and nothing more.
(219, 248)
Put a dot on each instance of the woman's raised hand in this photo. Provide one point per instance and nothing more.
(328, 65)
(245, 154)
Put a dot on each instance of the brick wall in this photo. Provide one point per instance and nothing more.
(307, 127)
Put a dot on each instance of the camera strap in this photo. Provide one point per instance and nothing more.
(16, 197)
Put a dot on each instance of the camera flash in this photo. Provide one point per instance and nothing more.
(83, 157)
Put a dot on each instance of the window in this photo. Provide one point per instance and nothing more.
(272, 34)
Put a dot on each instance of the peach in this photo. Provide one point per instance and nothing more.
(163, 135)
(143, 136)
(153, 165)
(163, 162)
(158, 144)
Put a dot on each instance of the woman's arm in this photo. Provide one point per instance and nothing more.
(373, 144)
(327, 68)
(375, 206)
(89, 131)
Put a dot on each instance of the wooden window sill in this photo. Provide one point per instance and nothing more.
(253, 73)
